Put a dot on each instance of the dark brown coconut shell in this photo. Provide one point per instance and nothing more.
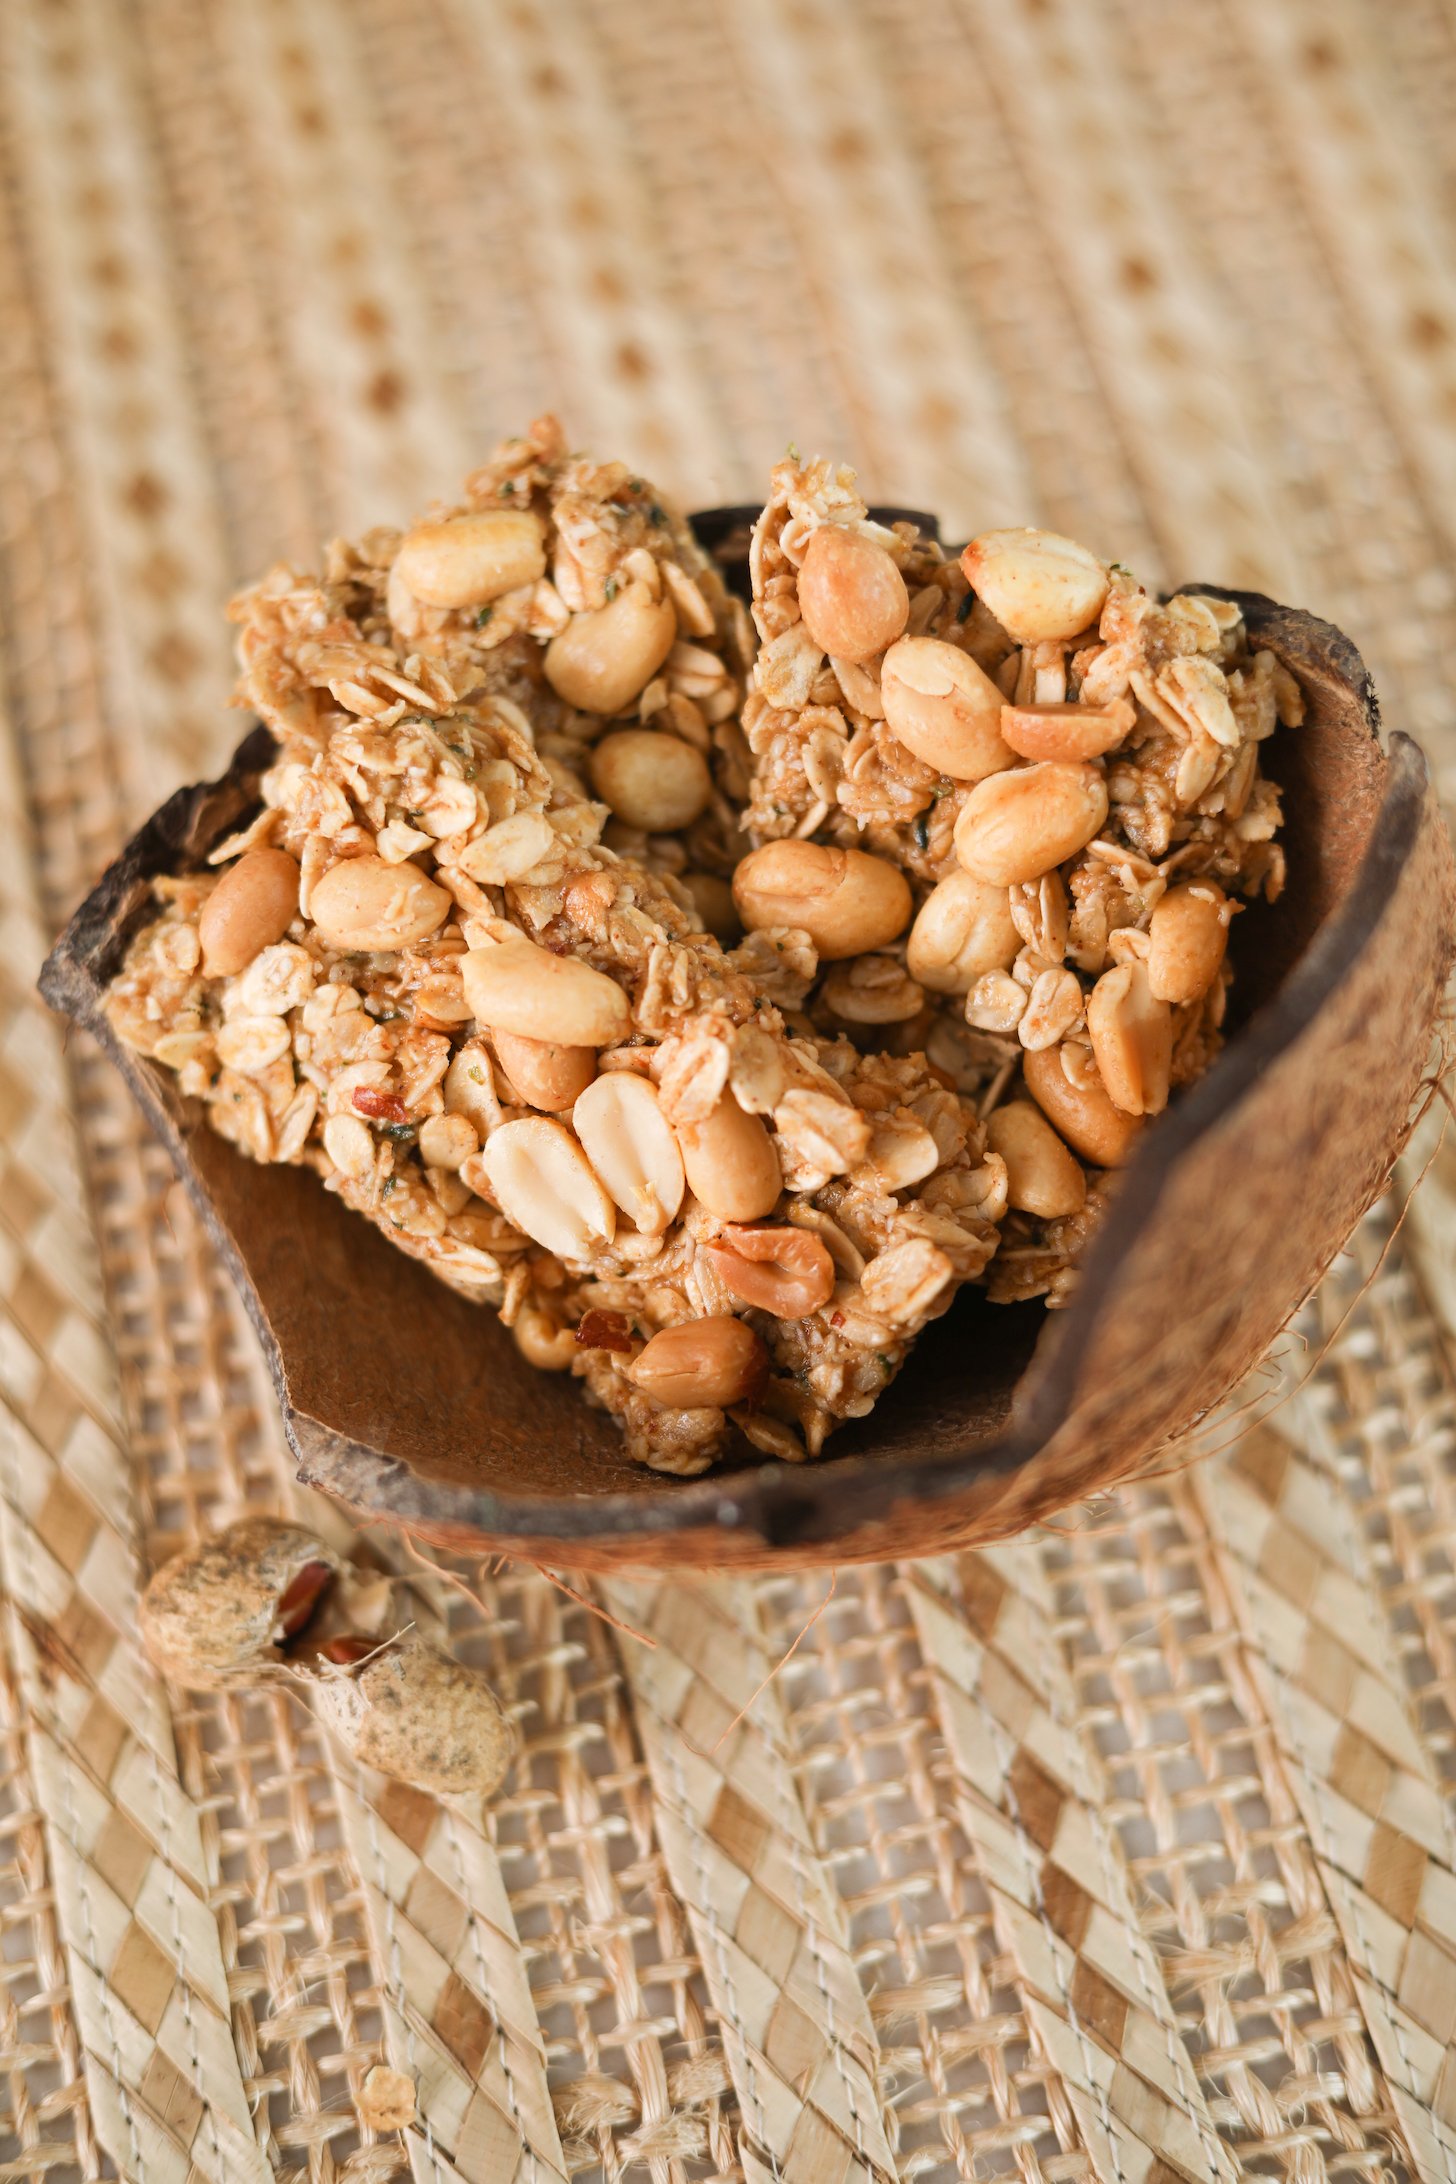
(414, 1407)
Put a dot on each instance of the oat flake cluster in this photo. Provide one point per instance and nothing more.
(715, 998)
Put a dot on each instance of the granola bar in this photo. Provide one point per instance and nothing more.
(485, 1008)
(1067, 773)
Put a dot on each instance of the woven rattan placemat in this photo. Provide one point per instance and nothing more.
(1124, 1852)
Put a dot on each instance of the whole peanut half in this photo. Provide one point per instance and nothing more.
(786, 1271)
(1082, 1114)
(1016, 826)
(943, 708)
(544, 1183)
(717, 1363)
(1038, 585)
(845, 900)
(251, 907)
(363, 904)
(963, 929)
(516, 986)
(605, 657)
(1066, 732)
(650, 779)
(1041, 1175)
(851, 595)
(467, 560)
(1132, 1038)
(1188, 934)
(730, 1163)
(630, 1143)
(545, 1075)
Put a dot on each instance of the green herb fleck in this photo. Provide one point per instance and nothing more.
(964, 610)
(886, 1365)
(611, 589)
(657, 515)
(921, 831)
(508, 487)
(484, 616)
(636, 485)
(401, 1132)
(390, 1183)
(792, 451)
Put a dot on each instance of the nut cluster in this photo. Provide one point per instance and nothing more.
(714, 998)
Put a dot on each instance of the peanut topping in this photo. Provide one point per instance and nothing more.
(516, 986)
(468, 560)
(543, 1181)
(364, 904)
(846, 901)
(1132, 1038)
(851, 594)
(1041, 1175)
(730, 1163)
(1082, 1112)
(251, 907)
(605, 658)
(963, 929)
(650, 779)
(718, 1361)
(1016, 826)
(1066, 732)
(1188, 934)
(546, 1075)
(944, 708)
(786, 1271)
(1037, 584)
(631, 1145)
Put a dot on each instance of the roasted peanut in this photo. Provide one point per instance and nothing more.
(251, 907)
(650, 779)
(630, 1143)
(963, 929)
(543, 1341)
(467, 560)
(603, 658)
(1132, 1037)
(851, 595)
(713, 901)
(470, 1088)
(1038, 585)
(1188, 933)
(516, 986)
(545, 1075)
(731, 1166)
(943, 708)
(1016, 826)
(708, 1363)
(1041, 1175)
(786, 1271)
(1082, 1113)
(544, 1183)
(446, 1141)
(845, 900)
(364, 904)
(1066, 732)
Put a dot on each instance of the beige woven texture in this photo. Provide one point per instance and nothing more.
(1124, 1852)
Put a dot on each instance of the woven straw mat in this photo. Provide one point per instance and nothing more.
(1121, 1852)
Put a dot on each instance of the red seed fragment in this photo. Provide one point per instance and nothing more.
(301, 1597)
(345, 1652)
(604, 1331)
(836, 1319)
(380, 1106)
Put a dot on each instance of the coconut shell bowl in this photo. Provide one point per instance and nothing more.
(414, 1408)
